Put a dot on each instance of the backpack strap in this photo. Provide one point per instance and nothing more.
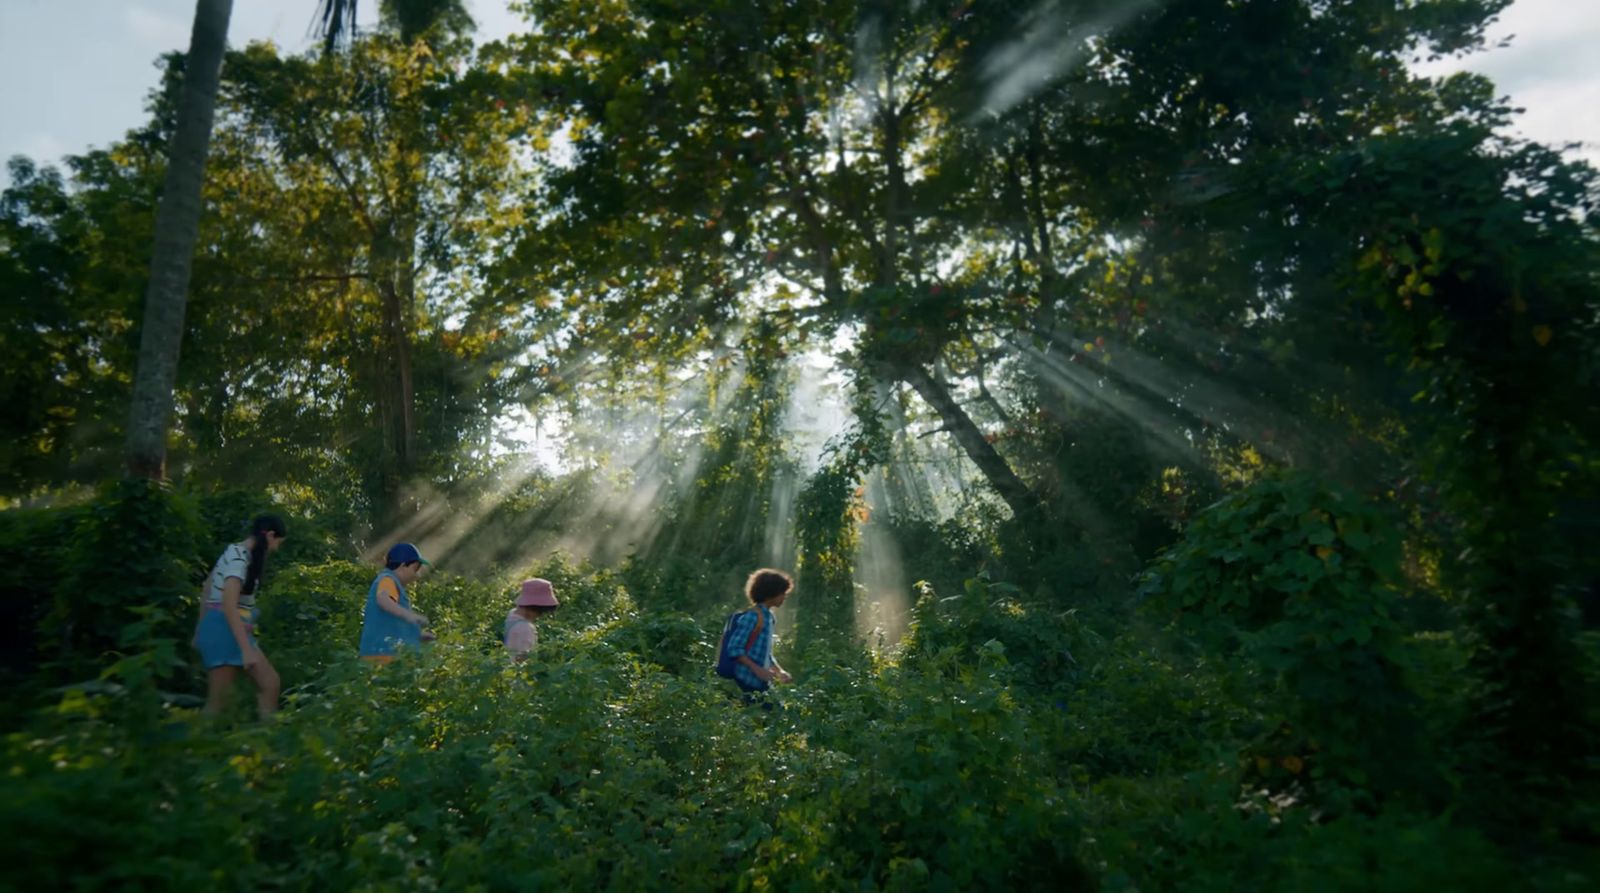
(761, 618)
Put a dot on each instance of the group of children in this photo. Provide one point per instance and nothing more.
(225, 631)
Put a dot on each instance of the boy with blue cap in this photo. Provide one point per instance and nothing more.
(387, 621)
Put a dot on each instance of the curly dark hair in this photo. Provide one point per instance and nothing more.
(767, 583)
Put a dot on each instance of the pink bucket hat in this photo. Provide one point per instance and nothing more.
(537, 593)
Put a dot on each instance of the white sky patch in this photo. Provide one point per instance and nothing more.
(76, 73)
(42, 145)
(155, 28)
(1547, 66)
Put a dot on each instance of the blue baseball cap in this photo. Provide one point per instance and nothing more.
(405, 553)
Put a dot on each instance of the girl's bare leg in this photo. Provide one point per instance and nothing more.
(219, 686)
(267, 687)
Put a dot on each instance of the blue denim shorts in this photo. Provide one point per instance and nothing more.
(217, 646)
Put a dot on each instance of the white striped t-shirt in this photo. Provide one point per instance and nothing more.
(235, 562)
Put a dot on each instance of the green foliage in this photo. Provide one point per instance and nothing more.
(590, 596)
(1487, 292)
(988, 624)
(98, 583)
(947, 551)
(827, 512)
(129, 577)
(594, 767)
(74, 258)
(1193, 832)
(311, 614)
(943, 773)
(311, 617)
(673, 642)
(742, 464)
(1138, 710)
(1298, 579)
(34, 544)
(226, 516)
(984, 759)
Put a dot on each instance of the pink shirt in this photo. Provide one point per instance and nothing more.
(521, 636)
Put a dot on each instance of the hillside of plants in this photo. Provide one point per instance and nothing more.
(1180, 420)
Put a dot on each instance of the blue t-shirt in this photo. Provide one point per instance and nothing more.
(382, 632)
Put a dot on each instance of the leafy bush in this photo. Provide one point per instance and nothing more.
(673, 642)
(591, 767)
(1009, 746)
(99, 582)
(1197, 831)
(947, 551)
(134, 551)
(33, 549)
(227, 514)
(311, 617)
(1299, 579)
(693, 586)
(1140, 709)
(589, 595)
(990, 622)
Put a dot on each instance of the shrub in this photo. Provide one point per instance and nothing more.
(1299, 579)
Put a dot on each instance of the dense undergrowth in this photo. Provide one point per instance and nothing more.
(1284, 732)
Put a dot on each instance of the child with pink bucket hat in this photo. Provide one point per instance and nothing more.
(535, 599)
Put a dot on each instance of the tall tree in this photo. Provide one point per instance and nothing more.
(377, 181)
(177, 229)
(178, 216)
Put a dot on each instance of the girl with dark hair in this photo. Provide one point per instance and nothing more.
(225, 632)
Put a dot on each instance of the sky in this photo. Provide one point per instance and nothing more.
(74, 74)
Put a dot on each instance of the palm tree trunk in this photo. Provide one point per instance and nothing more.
(172, 255)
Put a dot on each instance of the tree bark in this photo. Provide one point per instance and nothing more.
(172, 254)
(1005, 482)
(1041, 223)
(400, 302)
(397, 333)
(888, 271)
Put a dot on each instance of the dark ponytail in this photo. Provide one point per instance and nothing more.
(259, 528)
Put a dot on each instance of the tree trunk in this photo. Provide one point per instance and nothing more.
(400, 303)
(1005, 482)
(397, 332)
(172, 254)
(396, 413)
(888, 272)
(1046, 251)
(398, 256)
